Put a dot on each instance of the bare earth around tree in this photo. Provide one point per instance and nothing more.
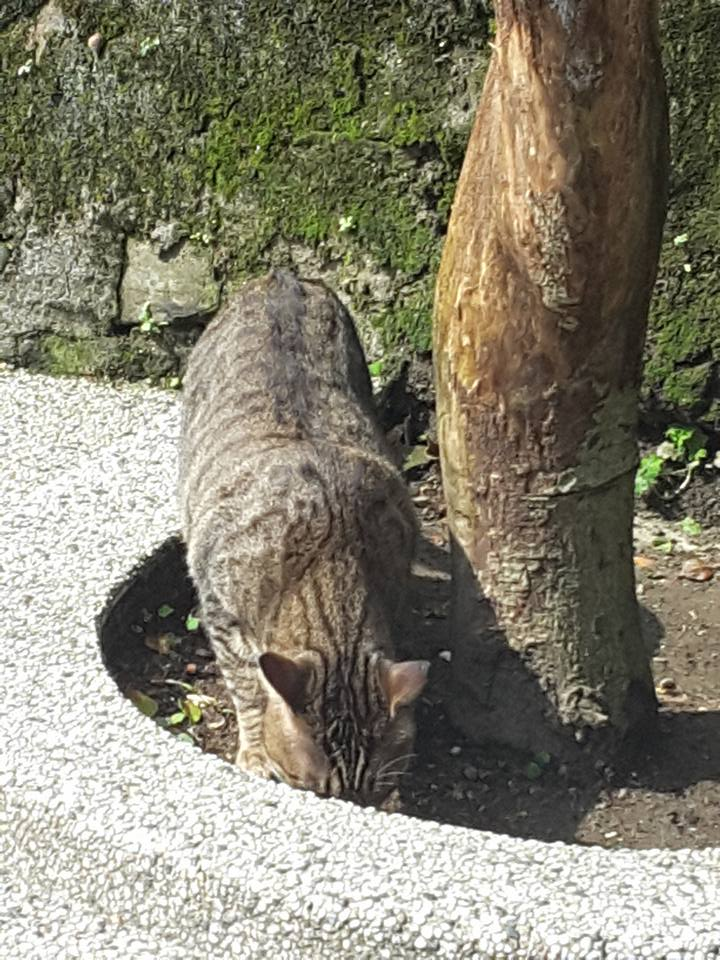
(666, 794)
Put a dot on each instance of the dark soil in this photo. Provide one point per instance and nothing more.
(665, 795)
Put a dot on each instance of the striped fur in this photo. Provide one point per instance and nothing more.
(300, 536)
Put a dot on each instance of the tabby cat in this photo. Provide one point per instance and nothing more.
(300, 535)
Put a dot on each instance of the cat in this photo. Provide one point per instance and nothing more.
(300, 534)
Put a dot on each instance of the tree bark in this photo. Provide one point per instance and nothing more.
(540, 317)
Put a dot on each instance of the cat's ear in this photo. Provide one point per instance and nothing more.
(402, 682)
(290, 679)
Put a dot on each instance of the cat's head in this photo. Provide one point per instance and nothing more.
(338, 735)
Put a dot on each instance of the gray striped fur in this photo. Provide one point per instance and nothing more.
(300, 535)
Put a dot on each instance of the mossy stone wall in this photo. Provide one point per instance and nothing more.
(327, 134)
(682, 371)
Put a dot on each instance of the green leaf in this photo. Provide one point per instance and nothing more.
(648, 471)
(417, 457)
(186, 738)
(690, 527)
(542, 759)
(533, 771)
(689, 442)
(175, 718)
(679, 437)
(191, 710)
(680, 239)
(664, 546)
(191, 623)
(376, 367)
(145, 704)
(165, 610)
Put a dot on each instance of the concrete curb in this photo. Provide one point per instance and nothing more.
(117, 841)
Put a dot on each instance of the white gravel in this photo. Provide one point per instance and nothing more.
(117, 841)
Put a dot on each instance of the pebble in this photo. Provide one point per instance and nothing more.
(96, 43)
(455, 751)
(470, 772)
(445, 655)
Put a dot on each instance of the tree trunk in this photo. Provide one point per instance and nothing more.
(541, 309)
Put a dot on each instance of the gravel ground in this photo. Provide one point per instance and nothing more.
(118, 841)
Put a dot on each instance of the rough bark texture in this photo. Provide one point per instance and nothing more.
(541, 310)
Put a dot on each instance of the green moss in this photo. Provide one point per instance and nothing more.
(134, 356)
(62, 356)
(408, 322)
(686, 388)
(324, 124)
(684, 332)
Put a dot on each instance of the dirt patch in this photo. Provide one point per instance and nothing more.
(665, 795)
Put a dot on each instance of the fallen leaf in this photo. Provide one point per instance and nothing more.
(179, 683)
(145, 704)
(643, 562)
(191, 623)
(215, 724)
(164, 610)
(694, 569)
(418, 457)
(163, 643)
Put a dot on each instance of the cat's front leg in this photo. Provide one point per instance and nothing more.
(238, 665)
(249, 701)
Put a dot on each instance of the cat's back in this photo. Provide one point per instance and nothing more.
(281, 359)
(278, 373)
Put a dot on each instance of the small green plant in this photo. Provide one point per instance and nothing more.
(690, 527)
(164, 610)
(669, 469)
(191, 623)
(190, 709)
(147, 322)
(648, 471)
(376, 368)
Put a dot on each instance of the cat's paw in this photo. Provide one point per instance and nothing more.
(392, 802)
(255, 762)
